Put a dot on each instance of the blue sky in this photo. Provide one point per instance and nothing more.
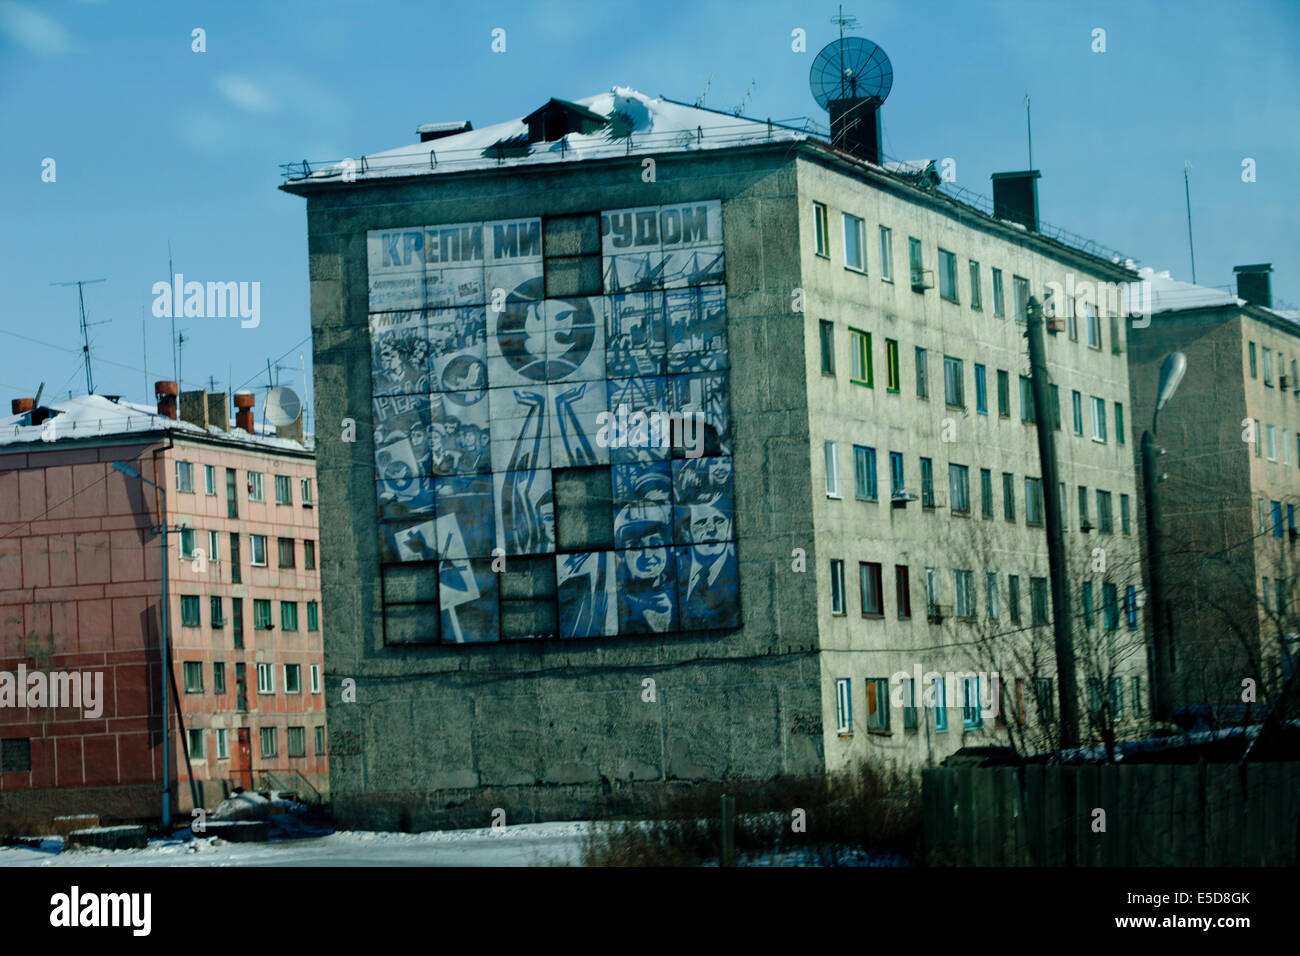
(154, 142)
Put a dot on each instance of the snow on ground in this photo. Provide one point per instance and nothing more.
(529, 844)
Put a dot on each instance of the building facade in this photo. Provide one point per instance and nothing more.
(536, 613)
(82, 586)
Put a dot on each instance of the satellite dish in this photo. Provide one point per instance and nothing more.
(850, 68)
(283, 406)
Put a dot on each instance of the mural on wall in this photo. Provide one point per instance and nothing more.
(591, 431)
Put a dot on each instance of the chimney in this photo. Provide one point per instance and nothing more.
(1253, 284)
(432, 131)
(1015, 197)
(20, 406)
(166, 393)
(855, 126)
(194, 408)
(218, 411)
(244, 412)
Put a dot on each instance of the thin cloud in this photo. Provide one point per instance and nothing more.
(32, 30)
(244, 93)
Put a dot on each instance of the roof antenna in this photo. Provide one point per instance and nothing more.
(171, 276)
(707, 84)
(85, 329)
(1187, 191)
(741, 108)
(1029, 128)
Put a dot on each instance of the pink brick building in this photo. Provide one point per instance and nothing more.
(80, 591)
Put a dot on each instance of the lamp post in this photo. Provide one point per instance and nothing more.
(162, 630)
(1172, 371)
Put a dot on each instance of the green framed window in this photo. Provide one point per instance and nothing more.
(860, 358)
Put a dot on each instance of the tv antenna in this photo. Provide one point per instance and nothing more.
(85, 328)
(741, 108)
(707, 84)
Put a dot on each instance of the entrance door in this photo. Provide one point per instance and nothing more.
(242, 765)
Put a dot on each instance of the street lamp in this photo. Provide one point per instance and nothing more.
(166, 669)
(1172, 371)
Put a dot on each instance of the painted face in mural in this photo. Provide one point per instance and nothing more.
(647, 560)
(708, 524)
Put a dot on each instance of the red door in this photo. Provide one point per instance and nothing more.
(242, 765)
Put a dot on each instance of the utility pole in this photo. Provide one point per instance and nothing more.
(1066, 677)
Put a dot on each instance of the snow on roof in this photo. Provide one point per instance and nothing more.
(1169, 293)
(651, 123)
(94, 416)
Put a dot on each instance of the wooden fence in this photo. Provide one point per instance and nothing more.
(1155, 815)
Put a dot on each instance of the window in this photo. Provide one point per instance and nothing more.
(1124, 522)
(241, 688)
(1021, 293)
(288, 615)
(976, 296)
(1033, 501)
(970, 703)
(860, 357)
(864, 473)
(305, 487)
(285, 550)
(320, 741)
(892, 378)
(981, 390)
(218, 677)
(1268, 590)
(223, 744)
(1004, 394)
(932, 592)
(1084, 523)
(1038, 600)
(293, 678)
(986, 493)
(1131, 606)
(1013, 597)
(237, 621)
(927, 483)
(1094, 330)
(232, 497)
(195, 739)
(296, 740)
(917, 264)
(1263, 515)
(256, 488)
(214, 550)
(959, 488)
(1098, 419)
(947, 275)
(1064, 501)
(1008, 496)
(190, 610)
(1046, 700)
(1253, 369)
(236, 572)
(1117, 698)
(886, 254)
(903, 592)
(1076, 406)
(1020, 701)
(991, 594)
(1072, 318)
(209, 480)
(870, 581)
(1277, 520)
(1085, 599)
(843, 707)
(1104, 522)
(895, 474)
(1119, 423)
(939, 691)
(261, 614)
(832, 455)
(1110, 607)
(309, 554)
(266, 678)
(878, 704)
(855, 244)
(184, 476)
(826, 331)
(187, 542)
(922, 382)
(268, 738)
(910, 710)
(193, 677)
(1258, 444)
(1137, 696)
(953, 393)
(216, 615)
(965, 583)
(315, 678)
(313, 616)
(1054, 399)
(283, 490)
(1268, 368)
(259, 550)
(999, 309)
(1026, 399)
(837, 586)
(1270, 443)
(819, 225)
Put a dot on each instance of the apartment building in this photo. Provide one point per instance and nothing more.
(552, 616)
(1227, 490)
(82, 586)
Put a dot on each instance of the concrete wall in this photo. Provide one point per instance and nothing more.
(441, 735)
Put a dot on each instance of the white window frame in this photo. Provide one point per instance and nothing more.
(265, 733)
(886, 254)
(964, 584)
(844, 706)
(821, 230)
(223, 744)
(1098, 419)
(1270, 442)
(209, 479)
(861, 227)
(831, 452)
(256, 486)
(265, 678)
(185, 477)
(306, 491)
(315, 678)
(252, 550)
(214, 546)
(840, 608)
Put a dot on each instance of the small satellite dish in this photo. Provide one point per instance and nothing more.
(850, 68)
(283, 406)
